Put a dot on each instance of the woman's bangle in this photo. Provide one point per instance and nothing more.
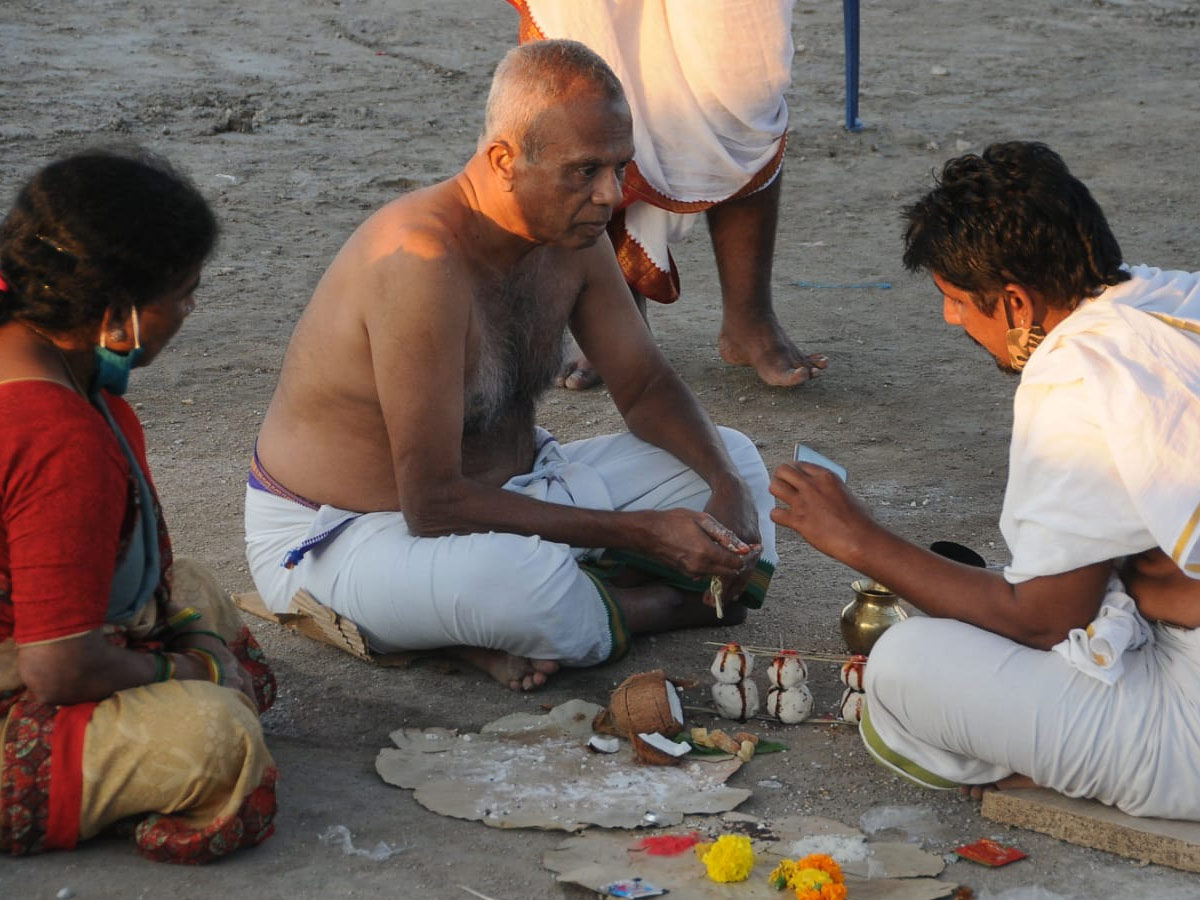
(216, 673)
(182, 617)
(164, 666)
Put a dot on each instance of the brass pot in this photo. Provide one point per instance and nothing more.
(873, 610)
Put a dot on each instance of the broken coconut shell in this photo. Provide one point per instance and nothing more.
(644, 703)
(656, 750)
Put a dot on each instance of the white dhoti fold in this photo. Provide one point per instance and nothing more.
(951, 704)
(523, 595)
(705, 81)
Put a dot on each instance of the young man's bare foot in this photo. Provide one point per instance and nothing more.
(1011, 783)
(517, 673)
(764, 346)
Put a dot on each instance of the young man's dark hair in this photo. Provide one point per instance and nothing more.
(1015, 215)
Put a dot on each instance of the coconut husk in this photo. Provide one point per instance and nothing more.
(639, 704)
(649, 754)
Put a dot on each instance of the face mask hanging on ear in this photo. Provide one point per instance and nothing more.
(1021, 344)
(112, 368)
(1021, 341)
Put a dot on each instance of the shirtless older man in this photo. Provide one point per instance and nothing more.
(399, 475)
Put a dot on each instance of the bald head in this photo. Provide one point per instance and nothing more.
(537, 77)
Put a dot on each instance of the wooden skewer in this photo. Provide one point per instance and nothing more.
(714, 588)
(803, 654)
(475, 893)
(812, 720)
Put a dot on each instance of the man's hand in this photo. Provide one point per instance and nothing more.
(732, 511)
(821, 510)
(696, 544)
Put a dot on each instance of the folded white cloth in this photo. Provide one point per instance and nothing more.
(1098, 649)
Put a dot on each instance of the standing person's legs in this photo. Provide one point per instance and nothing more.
(743, 238)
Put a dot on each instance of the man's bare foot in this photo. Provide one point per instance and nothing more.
(1011, 783)
(763, 345)
(517, 673)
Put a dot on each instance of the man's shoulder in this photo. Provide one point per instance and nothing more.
(421, 224)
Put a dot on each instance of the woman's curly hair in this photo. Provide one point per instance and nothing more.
(97, 230)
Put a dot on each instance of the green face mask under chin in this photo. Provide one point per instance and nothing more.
(112, 368)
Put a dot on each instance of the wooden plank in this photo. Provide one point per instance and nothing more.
(307, 616)
(1088, 823)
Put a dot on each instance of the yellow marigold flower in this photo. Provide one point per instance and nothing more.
(816, 877)
(781, 874)
(823, 862)
(730, 859)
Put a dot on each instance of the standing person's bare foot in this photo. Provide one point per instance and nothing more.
(764, 346)
(743, 239)
(576, 373)
(1011, 783)
(517, 673)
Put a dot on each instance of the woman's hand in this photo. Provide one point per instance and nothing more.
(234, 675)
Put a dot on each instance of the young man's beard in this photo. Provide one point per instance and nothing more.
(1004, 367)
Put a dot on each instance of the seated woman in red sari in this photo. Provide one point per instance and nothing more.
(129, 688)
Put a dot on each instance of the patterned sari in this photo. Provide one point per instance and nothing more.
(180, 763)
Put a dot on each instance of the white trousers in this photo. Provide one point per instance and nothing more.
(950, 704)
(523, 595)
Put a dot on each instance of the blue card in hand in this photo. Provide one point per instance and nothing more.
(809, 455)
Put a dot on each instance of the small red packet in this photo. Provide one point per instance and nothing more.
(668, 844)
(989, 853)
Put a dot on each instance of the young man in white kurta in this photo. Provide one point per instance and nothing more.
(1103, 465)
(1047, 673)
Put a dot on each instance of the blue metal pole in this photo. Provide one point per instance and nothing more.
(850, 15)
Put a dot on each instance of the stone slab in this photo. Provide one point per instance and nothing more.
(1088, 823)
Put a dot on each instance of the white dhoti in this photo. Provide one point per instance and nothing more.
(523, 595)
(950, 704)
(705, 82)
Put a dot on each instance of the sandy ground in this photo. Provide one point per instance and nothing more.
(298, 118)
